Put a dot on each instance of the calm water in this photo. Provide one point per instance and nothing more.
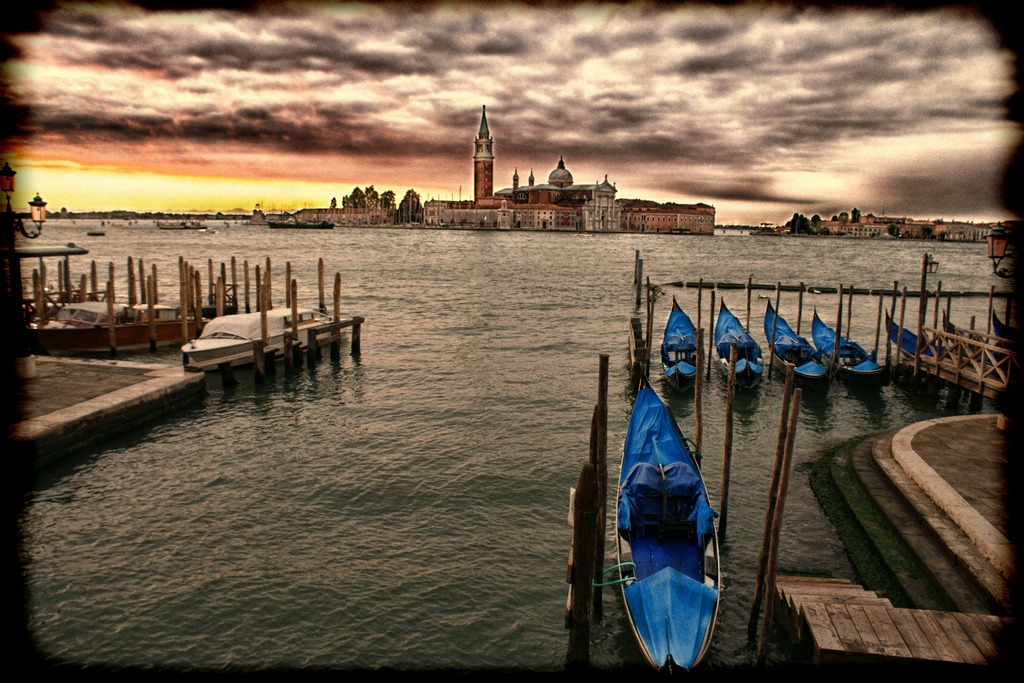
(408, 508)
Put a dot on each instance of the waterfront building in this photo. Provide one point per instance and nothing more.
(640, 215)
(559, 204)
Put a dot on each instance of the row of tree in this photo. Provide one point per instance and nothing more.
(799, 223)
(409, 210)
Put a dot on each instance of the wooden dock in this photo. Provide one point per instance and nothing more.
(825, 289)
(977, 361)
(841, 622)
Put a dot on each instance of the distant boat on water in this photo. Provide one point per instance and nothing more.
(295, 223)
(181, 225)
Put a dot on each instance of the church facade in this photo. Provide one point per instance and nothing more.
(558, 204)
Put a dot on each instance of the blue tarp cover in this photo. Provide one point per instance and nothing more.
(729, 329)
(682, 369)
(640, 500)
(671, 613)
(670, 605)
(850, 353)
(679, 343)
(788, 345)
(908, 340)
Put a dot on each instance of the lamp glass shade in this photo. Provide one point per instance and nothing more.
(7, 178)
(997, 245)
(38, 209)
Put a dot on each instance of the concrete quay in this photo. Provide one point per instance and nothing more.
(71, 403)
(943, 485)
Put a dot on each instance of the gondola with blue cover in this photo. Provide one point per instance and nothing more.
(749, 363)
(667, 541)
(850, 361)
(679, 348)
(790, 348)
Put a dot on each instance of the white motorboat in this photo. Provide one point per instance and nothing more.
(231, 338)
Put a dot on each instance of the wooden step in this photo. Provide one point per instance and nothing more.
(794, 591)
(842, 622)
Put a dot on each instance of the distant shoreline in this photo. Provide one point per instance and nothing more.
(245, 221)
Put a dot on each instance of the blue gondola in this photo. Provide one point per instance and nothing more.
(667, 540)
(854, 363)
(749, 364)
(790, 348)
(679, 347)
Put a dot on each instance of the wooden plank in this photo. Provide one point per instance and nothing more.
(820, 630)
(913, 636)
(789, 580)
(787, 613)
(888, 634)
(830, 590)
(969, 652)
(979, 628)
(936, 635)
(845, 629)
(864, 628)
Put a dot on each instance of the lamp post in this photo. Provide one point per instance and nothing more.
(17, 346)
(999, 249)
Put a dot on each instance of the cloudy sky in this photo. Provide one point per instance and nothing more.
(760, 110)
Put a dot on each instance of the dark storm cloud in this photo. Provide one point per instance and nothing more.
(641, 91)
(270, 44)
(956, 185)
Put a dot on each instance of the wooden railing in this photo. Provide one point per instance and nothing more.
(977, 361)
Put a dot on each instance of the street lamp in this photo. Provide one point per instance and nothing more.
(38, 217)
(16, 345)
(999, 248)
(38, 208)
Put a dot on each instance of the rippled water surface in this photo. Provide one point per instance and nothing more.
(408, 507)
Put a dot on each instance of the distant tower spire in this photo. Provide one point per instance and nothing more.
(515, 179)
(483, 161)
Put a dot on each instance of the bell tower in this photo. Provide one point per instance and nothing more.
(483, 161)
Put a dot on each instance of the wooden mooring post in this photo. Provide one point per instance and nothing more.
(581, 570)
(776, 529)
(799, 308)
(727, 452)
(639, 279)
(151, 315)
(336, 344)
(110, 314)
(587, 516)
(599, 458)
(771, 340)
(711, 333)
(698, 392)
(245, 272)
(773, 497)
(636, 351)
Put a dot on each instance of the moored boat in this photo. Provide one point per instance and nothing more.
(295, 223)
(790, 348)
(84, 327)
(850, 361)
(906, 340)
(230, 338)
(749, 363)
(679, 347)
(1002, 330)
(181, 225)
(667, 542)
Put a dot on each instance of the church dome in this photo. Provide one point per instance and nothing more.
(560, 176)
